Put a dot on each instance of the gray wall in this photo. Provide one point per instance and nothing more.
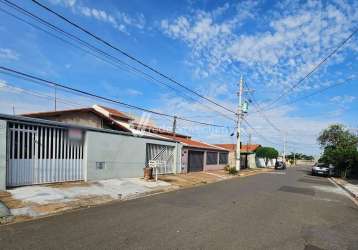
(3, 126)
(124, 156)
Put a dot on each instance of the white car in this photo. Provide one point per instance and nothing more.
(322, 169)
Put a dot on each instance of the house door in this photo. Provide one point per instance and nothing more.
(196, 161)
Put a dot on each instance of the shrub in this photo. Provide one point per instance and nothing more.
(267, 153)
(232, 171)
(227, 168)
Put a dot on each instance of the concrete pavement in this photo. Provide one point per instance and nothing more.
(280, 210)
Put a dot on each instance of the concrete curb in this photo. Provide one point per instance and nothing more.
(353, 195)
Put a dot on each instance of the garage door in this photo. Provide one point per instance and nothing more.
(40, 154)
(196, 161)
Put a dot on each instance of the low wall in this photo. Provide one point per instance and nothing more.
(304, 162)
(260, 163)
(123, 156)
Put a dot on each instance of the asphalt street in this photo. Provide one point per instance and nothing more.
(281, 210)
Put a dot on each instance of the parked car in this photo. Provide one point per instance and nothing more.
(322, 169)
(280, 165)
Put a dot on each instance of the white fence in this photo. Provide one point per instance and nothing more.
(163, 155)
(43, 154)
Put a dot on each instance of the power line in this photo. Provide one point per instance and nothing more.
(107, 57)
(129, 56)
(19, 90)
(258, 134)
(52, 83)
(308, 75)
(262, 113)
(314, 93)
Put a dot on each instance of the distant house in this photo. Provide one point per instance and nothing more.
(201, 156)
(247, 154)
(249, 158)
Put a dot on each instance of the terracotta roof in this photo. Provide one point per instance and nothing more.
(57, 112)
(231, 147)
(157, 130)
(250, 147)
(194, 143)
(116, 113)
(244, 148)
(136, 125)
(92, 110)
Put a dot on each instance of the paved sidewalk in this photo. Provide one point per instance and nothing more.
(200, 178)
(40, 200)
(351, 186)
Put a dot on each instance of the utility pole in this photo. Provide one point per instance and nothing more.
(174, 125)
(177, 155)
(55, 98)
(239, 113)
(284, 147)
(13, 109)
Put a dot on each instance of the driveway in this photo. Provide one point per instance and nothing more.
(280, 210)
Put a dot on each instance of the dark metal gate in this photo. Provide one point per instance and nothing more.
(196, 161)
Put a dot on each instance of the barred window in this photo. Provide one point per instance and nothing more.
(211, 158)
(223, 158)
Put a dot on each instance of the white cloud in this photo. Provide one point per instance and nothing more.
(344, 99)
(294, 38)
(67, 3)
(9, 54)
(284, 44)
(134, 92)
(119, 20)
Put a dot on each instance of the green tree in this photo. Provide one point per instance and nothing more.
(299, 156)
(339, 148)
(267, 153)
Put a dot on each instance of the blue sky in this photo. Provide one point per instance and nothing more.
(206, 45)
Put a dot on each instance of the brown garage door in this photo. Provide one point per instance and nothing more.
(196, 161)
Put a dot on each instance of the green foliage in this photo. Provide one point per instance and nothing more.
(337, 135)
(339, 149)
(267, 153)
(299, 156)
(232, 171)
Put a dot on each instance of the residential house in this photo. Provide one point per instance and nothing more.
(247, 155)
(91, 147)
(196, 155)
